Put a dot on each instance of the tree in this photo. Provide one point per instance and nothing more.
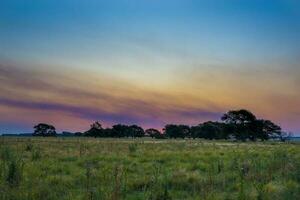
(96, 130)
(240, 124)
(208, 130)
(238, 117)
(242, 121)
(136, 131)
(78, 134)
(44, 130)
(245, 125)
(120, 130)
(185, 131)
(196, 131)
(264, 130)
(211, 130)
(107, 132)
(177, 131)
(153, 133)
(270, 129)
(228, 130)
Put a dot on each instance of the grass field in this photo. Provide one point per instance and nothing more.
(87, 168)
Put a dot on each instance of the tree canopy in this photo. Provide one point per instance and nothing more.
(45, 130)
(154, 133)
(118, 130)
(237, 124)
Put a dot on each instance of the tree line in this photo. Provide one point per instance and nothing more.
(236, 124)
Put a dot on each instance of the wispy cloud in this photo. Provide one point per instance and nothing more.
(47, 92)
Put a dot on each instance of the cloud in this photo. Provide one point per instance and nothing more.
(88, 113)
(198, 114)
(110, 103)
(20, 78)
(83, 97)
(126, 116)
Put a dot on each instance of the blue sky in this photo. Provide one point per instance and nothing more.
(197, 55)
(268, 27)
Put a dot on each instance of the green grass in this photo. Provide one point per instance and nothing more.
(86, 168)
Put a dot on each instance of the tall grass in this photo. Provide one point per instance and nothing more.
(117, 169)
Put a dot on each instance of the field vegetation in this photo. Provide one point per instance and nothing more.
(83, 168)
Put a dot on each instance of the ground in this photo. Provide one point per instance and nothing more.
(89, 168)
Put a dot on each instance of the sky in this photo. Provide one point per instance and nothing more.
(147, 62)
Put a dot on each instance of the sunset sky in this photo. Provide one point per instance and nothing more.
(147, 62)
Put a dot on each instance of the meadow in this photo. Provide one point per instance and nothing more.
(113, 169)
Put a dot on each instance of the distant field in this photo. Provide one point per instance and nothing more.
(87, 168)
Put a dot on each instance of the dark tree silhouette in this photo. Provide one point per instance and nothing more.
(78, 134)
(246, 126)
(239, 124)
(196, 132)
(45, 130)
(268, 130)
(96, 130)
(243, 121)
(107, 132)
(211, 130)
(136, 131)
(238, 117)
(177, 131)
(120, 130)
(154, 133)
(228, 130)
